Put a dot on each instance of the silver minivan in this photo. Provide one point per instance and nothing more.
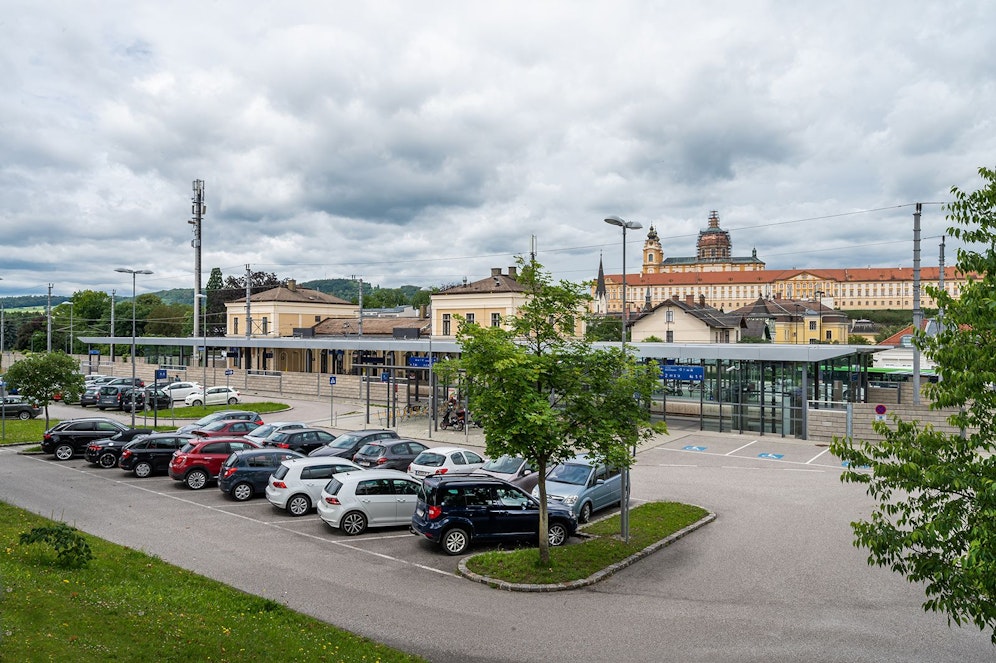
(583, 485)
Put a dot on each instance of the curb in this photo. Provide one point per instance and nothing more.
(593, 578)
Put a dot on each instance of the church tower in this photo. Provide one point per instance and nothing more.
(714, 243)
(653, 254)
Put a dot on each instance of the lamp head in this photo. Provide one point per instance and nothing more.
(628, 225)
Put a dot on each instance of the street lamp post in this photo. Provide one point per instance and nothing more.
(624, 475)
(819, 310)
(204, 350)
(134, 273)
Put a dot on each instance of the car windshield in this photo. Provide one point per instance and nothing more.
(216, 425)
(429, 459)
(503, 464)
(263, 431)
(206, 419)
(343, 441)
(278, 437)
(570, 473)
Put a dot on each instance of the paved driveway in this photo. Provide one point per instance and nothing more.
(774, 578)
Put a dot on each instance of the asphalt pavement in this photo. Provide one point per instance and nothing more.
(774, 578)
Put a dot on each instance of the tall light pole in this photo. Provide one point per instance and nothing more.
(204, 350)
(624, 475)
(819, 310)
(134, 273)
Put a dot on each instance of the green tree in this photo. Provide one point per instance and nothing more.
(42, 375)
(935, 518)
(167, 320)
(855, 339)
(544, 394)
(602, 328)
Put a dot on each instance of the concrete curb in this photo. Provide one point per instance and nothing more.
(590, 580)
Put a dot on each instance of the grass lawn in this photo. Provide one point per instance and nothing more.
(128, 606)
(648, 523)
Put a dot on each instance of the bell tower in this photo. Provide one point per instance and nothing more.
(653, 254)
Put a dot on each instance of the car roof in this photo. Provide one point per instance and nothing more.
(268, 450)
(445, 450)
(377, 474)
(305, 461)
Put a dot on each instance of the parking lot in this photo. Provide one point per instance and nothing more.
(774, 578)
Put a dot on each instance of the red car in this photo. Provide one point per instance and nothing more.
(226, 428)
(199, 461)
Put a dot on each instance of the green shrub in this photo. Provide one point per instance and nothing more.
(72, 549)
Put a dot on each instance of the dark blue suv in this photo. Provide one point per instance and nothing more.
(245, 473)
(454, 511)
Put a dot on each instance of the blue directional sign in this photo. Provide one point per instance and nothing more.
(421, 362)
(385, 377)
(771, 456)
(229, 371)
(676, 372)
(694, 448)
(161, 374)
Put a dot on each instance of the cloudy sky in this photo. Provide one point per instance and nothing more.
(424, 143)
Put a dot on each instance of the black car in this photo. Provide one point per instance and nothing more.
(125, 382)
(242, 415)
(148, 398)
(74, 435)
(109, 396)
(389, 454)
(301, 440)
(151, 454)
(15, 406)
(89, 395)
(107, 451)
(454, 511)
(246, 472)
(347, 444)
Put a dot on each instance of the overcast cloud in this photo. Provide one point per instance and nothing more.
(424, 143)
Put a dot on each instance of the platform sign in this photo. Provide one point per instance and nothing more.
(161, 374)
(676, 372)
(421, 362)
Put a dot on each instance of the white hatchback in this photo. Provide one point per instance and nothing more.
(179, 390)
(297, 484)
(353, 501)
(214, 396)
(445, 460)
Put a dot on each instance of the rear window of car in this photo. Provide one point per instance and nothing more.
(429, 459)
(333, 487)
(371, 450)
(281, 471)
(187, 448)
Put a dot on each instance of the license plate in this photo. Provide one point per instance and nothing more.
(364, 463)
(419, 511)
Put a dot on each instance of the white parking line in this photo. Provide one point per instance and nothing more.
(739, 448)
(816, 456)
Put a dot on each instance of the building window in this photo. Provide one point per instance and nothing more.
(812, 325)
(496, 319)
(235, 325)
(266, 326)
(318, 318)
(470, 318)
(669, 336)
(446, 324)
(669, 316)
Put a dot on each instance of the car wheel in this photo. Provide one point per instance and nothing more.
(100, 407)
(107, 459)
(585, 514)
(64, 452)
(242, 491)
(83, 405)
(196, 403)
(196, 479)
(455, 541)
(298, 505)
(23, 416)
(557, 535)
(233, 400)
(353, 523)
(143, 470)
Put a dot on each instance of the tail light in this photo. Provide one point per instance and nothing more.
(282, 445)
(381, 460)
(435, 512)
(229, 471)
(48, 437)
(126, 453)
(332, 499)
(442, 470)
(279, 484)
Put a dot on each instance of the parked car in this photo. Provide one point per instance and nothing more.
(454, 511)
(106, 452)
(130, 382)
(389, 454)
(214, 396)
(583, 485)
(96, 378)
(179, 390)
(513, 469)
(72, 436)
(89, 395)
(303, 440)
(264, 431)
(353, 501)
(151, 454)
(199, 461)
(347, 444)
(17, 407)
(109, 396)
(226, 428)
(445, 460)
(296, 485)
(245, 473)
(148, 398)
(244, 415)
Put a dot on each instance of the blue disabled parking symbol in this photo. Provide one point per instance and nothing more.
(770, 456)
(694, 448)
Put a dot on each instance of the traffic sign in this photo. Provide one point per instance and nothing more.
(385, 377)
(229, 371)
(160, 374)
(331, 379)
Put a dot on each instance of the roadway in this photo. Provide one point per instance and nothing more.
(774, 578)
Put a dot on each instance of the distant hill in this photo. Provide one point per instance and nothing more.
(30, 302)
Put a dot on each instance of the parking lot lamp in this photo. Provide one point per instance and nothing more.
(624, 475)
(204, 350)
(134, 273)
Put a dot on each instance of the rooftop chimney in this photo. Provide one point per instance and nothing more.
(513, 272)
(292, 285)
(496, 271)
